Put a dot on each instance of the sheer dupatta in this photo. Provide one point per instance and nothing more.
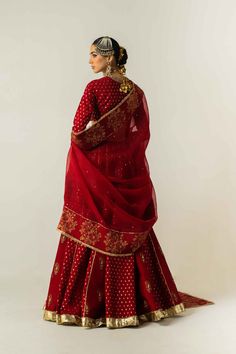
(109, 198)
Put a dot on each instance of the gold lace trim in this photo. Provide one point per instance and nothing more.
(112, 322)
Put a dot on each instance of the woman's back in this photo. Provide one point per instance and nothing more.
(99, 97)
(107, 93)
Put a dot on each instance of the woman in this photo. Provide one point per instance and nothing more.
(109, 268)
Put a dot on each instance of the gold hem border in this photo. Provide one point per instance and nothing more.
(111, 322)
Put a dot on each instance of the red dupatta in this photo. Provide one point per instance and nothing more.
(109, 199)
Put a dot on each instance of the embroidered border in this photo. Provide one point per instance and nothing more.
(99, 237)
(111, 322)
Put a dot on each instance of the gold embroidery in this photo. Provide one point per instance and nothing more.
(93, 233)
(115, 120)
(63, 237)
(138, 240)
(142, 257)
(101, 263)
(86, 309)
(89, 232)
(133, 102)
(112, 322)
(148, 286)
(96, 135)
(106, 114)
(114, 241)
(49, 299)
(56, 268)
(98, 249)
(104, 227)
(99, 295)
(67, 221)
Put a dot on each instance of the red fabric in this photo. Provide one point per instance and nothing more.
(87, 283)
(109, 199)
(109, 264)
(99, 97)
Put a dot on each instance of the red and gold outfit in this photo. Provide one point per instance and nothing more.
(109, 267)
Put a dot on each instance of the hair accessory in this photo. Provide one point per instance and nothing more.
(104, 46)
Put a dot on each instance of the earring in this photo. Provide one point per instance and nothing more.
(108, 70)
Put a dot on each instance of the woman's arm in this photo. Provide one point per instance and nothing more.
(86, 110)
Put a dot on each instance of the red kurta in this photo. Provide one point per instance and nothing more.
(99, 97)
(91, 288)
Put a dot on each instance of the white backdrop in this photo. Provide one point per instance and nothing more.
(182, 53)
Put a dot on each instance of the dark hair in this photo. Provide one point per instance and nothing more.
(116, 47)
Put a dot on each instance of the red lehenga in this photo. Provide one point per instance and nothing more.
(109, 268)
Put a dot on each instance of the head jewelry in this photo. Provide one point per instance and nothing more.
(104, 46)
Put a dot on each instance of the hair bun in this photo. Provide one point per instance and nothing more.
(123, 56)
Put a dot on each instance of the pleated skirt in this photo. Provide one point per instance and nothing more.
(90, 289)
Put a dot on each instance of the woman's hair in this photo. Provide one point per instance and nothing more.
(116, 47)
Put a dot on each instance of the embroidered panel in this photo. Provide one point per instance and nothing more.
(92, 233)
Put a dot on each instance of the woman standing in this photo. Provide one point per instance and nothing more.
(109, 267)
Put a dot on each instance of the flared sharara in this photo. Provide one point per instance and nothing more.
(109, 268)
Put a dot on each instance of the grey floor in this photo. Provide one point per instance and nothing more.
(207, 329)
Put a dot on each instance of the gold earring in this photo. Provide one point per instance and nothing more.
(108, 70)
